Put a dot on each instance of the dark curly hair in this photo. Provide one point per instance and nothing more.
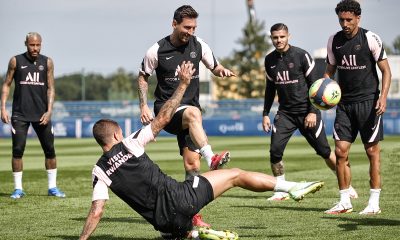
(185, 11)
(348, 6)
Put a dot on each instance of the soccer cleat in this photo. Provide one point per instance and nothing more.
(18, 193)
(279, 196)
(56, 192)
(369, 210)
(352, 192)
(219, 160)
(303, 188)
(197, 221)
(340, 208)
(210, 234)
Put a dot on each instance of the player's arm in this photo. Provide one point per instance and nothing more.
(269, 96)
(50, 93)
(221, 71)
(146, 116)
(5, 90)
(330, 71)
(93, 218)
(384, 67)
(168, 109)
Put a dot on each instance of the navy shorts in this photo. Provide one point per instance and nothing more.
(286, 124)
(360, 117)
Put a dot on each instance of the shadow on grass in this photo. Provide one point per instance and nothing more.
(302, 209)
(353, 223)
(118, 219)
(101, 237)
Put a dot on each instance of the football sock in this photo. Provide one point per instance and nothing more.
(374, 197)
(195, 234)
(207, 153)
(52, 177)
(17, 180)
(345, 196)
(283, 185)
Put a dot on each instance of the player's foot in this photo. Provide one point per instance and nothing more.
(56, 192)
(279, 196)
(352, 192)
(197, 221)
(303, 188)
(370, 210)
(340, 208)
(210, 234)
(219, 160)
(18, 193)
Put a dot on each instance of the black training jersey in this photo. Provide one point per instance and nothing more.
(290, 74)
(355, 60)
(30, 94)
(165, 59)
(131, 175)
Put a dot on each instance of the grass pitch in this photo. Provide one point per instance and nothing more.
(38, 216)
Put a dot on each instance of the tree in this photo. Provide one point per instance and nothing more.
(396, 45)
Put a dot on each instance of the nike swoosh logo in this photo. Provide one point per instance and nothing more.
(338, 47)
(273, 66)
(22, 67)
(168, 58)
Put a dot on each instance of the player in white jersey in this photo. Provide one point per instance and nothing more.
(354, 53)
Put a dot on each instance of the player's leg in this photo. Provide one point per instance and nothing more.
(46, 137)
(371, 133)
(19, 133)
(282, 130)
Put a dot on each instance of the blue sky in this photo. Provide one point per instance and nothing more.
(102, 35)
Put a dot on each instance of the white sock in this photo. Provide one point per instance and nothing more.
(17, 180)
(345, 196)
(374, 197)
(283, 185)
(52, 177)
(195, 234)
(207, 153)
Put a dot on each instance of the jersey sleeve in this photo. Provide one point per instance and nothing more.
(100, 184)
(150, 60)
(207, 56)
(376, 46)
(136, 142)
(330, 58)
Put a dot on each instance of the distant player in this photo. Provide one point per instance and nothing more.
(354, 52)
(33, 100)
(165, 203)
(165, 57)
(290, 72)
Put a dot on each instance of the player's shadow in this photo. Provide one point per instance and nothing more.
(117, 219)
(351, 224)
(302, 209)
(102, 237)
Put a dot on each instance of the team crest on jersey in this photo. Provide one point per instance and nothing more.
(357, 47)
(193, 54)
(41, 67)
(291, 65)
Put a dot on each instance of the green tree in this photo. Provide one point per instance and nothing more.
(122, 86)
(396, 45)
(247, 63)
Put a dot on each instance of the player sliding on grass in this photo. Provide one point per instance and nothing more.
(165, 203)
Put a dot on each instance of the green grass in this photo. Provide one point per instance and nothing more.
(40, 217)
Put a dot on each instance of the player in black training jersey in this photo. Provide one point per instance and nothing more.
(290, 72)
(168, 205)
(32, 105)
(354, 52)
(165, 57)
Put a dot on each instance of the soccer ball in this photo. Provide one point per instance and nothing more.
(324, 93)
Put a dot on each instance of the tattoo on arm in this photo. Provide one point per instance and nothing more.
(143, 88)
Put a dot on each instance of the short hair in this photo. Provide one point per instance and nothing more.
(348, 6)
(185, 11)
(278, 27)
(32, 34)
(103, 130)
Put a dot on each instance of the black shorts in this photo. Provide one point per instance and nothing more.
(176, 207)
(358, 117)
(19, 133)
(286, 124)
(182, 135)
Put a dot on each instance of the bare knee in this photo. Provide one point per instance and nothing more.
(192, 114)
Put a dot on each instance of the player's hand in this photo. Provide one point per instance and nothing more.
(226, 73)
(4, 117)
(44, 120)
(310, 121)
(380, 105)
(266, 124)
(146, 116)
(185, 72)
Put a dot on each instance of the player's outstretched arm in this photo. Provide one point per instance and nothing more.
(221, 71)
(168, 109)
(93, 218)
